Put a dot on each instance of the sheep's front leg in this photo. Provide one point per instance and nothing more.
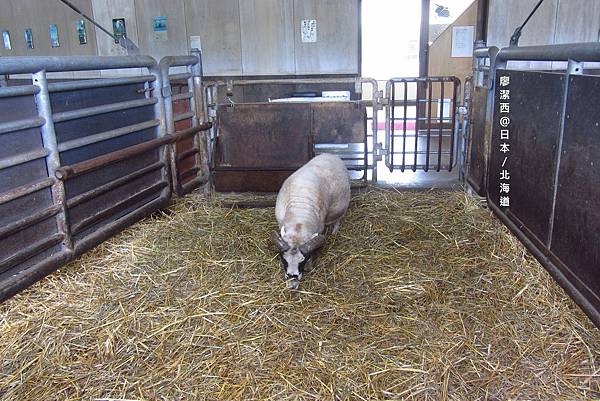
(308, 267)
(336, 226)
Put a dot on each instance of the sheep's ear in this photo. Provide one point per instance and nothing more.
(279, 243)
(315, 242)
(282, 231)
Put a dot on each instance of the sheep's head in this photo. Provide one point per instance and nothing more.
(294, 258)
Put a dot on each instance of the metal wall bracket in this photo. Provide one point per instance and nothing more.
(166, 91)
(358, 85)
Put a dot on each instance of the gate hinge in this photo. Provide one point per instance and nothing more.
(379, 100)
(379, 151)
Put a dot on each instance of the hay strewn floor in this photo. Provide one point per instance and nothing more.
(420, 296)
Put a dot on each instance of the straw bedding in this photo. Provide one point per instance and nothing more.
(420, 296)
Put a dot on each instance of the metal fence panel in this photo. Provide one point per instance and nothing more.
(535, 114)
(576, 235)
(63, 191)
(183, 103)
(554, 178)
(421, 123)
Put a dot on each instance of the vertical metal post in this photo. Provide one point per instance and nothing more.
(429, 101)
(482, 20)
(417, 126)
(42, 100)
(160, 92)
(441, 128)
(423, 64)
(376, 101)
(489, 112)
(202, 157)
(424, 39)
(573, 68)
(389, 87)
(392, 126)
(465, 111)
(454, 126)
(405, 121)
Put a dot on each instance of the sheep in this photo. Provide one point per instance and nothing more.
(315, 196)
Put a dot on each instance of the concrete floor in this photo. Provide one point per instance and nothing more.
(417, 179)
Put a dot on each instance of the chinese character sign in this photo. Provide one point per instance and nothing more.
(503, 99)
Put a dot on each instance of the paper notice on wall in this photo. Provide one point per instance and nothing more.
(309, 30)
(462, 41)
(195, 42)
(160, 28)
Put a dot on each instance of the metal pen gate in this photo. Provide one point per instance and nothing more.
(534, 148)
(309, 127)
(184, 111)
(422, 128)
(422, 123)
(80, 160)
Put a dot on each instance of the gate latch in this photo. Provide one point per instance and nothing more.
(379, 151)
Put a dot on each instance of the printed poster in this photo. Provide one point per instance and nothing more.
(309, 30)
(160, 28)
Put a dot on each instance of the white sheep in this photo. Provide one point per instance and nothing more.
(316, 195)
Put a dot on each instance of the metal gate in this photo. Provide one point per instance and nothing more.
(258, 141)
(80, 160)
(182, 94)
(421, 123)
(535, 143)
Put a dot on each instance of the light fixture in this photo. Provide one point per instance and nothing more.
(442, 11)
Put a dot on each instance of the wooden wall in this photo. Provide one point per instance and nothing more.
(239, 37)
(441, 62)
(556, 21)
(336, 50)
(217, 22)
(16, 15)
(267, 37)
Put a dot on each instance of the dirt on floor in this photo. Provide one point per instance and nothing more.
(419, 296)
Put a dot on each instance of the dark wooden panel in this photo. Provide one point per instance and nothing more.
(259, 136)
(79, 99)
(535, 106)
(263, 92)
(576, 236)
(476, 169)
(251, 180)
(339, 122)
(180, 107)
(83, 127)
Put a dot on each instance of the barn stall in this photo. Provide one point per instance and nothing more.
(421, 295)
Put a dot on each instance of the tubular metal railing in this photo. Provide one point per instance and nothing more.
(427, 126)
(185, 109)
(105, 146)
(366, 157)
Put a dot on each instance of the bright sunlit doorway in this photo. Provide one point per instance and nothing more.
(390, 35)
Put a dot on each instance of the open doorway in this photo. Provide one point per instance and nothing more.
(391, 31)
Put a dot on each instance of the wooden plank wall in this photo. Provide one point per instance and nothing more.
(441, 62)
(556, 21)
(267, 37)
(217, 22)
(239, 37)
(337, 49)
